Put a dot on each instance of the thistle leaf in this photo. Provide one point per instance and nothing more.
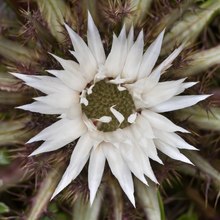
(149, 200)
(118, 201)
(162, 211)
(14, 51)
(200, 117)
(45, 192)
(204, 166)
(14, 132)
(140, 9)
(189, 27)
(168, 20)
(188, 216)
(84, 211)
(8, 14)
(55, 13)
(201, 61)
(4, 160)
(8, 82)
(3, 208)
(13, 98)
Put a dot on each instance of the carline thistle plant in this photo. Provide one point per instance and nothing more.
(110, 108)
(112, 105)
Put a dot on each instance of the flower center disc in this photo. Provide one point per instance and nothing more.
(105, 95)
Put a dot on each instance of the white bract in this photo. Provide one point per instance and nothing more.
(132, 139)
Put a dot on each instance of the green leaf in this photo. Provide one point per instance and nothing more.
(148, 198)
(45, 218)
(201, 61)
(61, 216)
(53, 208)
(84, 211)
(4, 160)
(14, 131)
(201, 118)
(3, 208)
(188, 216)
(204, 166)
(140, 10)
(45, 192)
(16, 52)
(54, 12)
(162, 211)
(190, 26)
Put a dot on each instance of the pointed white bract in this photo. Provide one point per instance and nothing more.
(94, 41)
(172, 152)
(73, 79)
(78, 159)
(68, 65)
(129, 150)
(132, 155)
(149, 148)
(133, 59)
(117, 56)
(120, 170)
(96, 169)
(150, 56)
(41, 108)
(179, 102)
(160, 122)
(83, 54)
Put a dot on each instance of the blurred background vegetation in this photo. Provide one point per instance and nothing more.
(29, 29)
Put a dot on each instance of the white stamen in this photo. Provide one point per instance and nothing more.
(121, 88)
(132, 118)
(117, 80)
(105, 119)
(89, 90)
(83, 99)
(117, 114)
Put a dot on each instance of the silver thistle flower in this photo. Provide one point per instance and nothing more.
(113, 105)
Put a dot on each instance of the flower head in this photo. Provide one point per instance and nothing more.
(113, 105)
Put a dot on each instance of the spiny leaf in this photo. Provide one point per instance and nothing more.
(55, 13)
(3, 208)
(4, 160)
(13, 98)
(149, 200)
(162, 211)
(192, 216)
(204, 120)
(170, 18)
(190, 26)
(14, 51)
(201, 61)
(12, 132)
(140, 9)
(8, 15)
(8, 82)
(45, 192)
(84, 211)
(117, 199)
(204, 166)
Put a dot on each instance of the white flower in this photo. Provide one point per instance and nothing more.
(112, 105)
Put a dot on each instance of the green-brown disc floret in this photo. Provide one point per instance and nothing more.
(105, 95)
